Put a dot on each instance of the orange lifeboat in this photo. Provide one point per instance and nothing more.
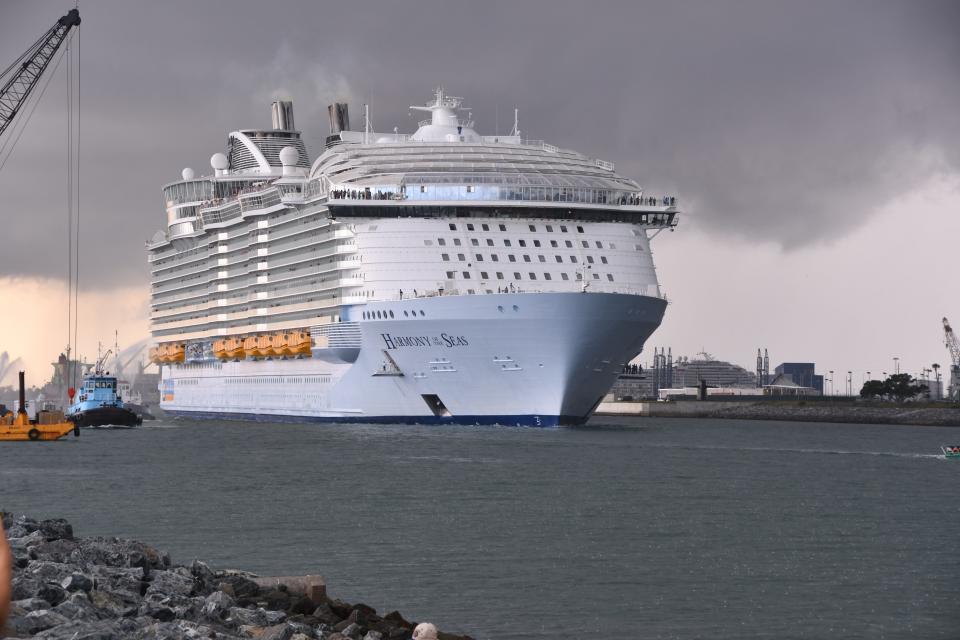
(278, 344)
(233, 347)
(300, 343)
(264, 346)
(220, 348)
(176, 353)
(155, 355)
(250, 347)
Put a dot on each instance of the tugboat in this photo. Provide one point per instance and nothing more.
(49, 425)
(951, 451)
(98, 404)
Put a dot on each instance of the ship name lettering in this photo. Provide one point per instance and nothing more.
(443, 340)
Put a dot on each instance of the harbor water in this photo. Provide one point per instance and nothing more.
(628, 528)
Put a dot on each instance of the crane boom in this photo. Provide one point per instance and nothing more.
(27, 69)
(953, 345)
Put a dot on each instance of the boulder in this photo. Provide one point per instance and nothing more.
(37, 621)
(77, 607)
(77, 582)
(247, 617)
(353, 630)
(56, 529)
(373, 635)
(52, 593)
(324, 613)
(217, 605)
(59, 550)
(30, 604)
(242, 586)
(170, 583)
(277, 632)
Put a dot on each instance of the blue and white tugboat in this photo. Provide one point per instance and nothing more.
(97, 403)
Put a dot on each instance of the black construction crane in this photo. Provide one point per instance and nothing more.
(20, 78)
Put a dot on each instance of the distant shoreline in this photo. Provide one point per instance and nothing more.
(793, 411)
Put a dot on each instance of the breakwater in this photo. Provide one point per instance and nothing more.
(796, 411)
(67, 588)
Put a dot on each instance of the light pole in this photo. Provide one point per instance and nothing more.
(849, 383)
(831, 382)
(896, 364)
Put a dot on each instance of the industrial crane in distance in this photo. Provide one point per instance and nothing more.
(21, 77)
(953, 346)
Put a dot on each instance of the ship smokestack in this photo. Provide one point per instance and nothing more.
(282, 111)
(23, 396)
(339, 117)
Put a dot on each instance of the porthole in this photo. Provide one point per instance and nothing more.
(391, 315)
(516, 308)
(405, 314)
(421, 312)
(500, 308)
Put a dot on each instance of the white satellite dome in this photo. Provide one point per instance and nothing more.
(188, 174)
(289, 156)
(219, 162)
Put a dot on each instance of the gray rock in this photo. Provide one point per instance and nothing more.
(247, 617)
(56, 529)
(275, 617)
(24, 587)
(47, 571)
(56, 550)
(353, 631)
(217, 605)
(170, 583)
(52, 593)
(77, 607)
(77, 582)
(373, 635)
(324, 613)
(31, 604)
(84, 630)
(277, 632)
(37, 621)
(242, 586)
(302, 636)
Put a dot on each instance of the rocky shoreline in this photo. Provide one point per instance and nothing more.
(67, 588)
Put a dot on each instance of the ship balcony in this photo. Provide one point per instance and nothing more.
(199, 257)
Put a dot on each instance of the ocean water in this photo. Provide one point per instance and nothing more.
(627, 528)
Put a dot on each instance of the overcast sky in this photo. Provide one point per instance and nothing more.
(814, 145)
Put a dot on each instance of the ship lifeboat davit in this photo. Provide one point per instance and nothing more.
(278, 344)
(264, 348)
(220, 348)
(176, 353)
(250, 346)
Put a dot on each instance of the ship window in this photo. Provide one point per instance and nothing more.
(553, 243)
(469, 226)
(445, 256)
(613, 246)
(461, 257)
(423, 189)
(406, 314)
(512, 258)
(495, 257)
(590, 259)
(489, 242)
(391, 314)
(441, 242)
(547, 276)
(559, 258)
(542, 258)
(580, 229)
(603, 259)
(584, 244)
(483, 274)
(569, 244)
(596, 276)
(499, 275)
(610, 277)
(516, 275)
(421, 312)
(533, 228)
(453, 227)
(533, 276)
(573, 259)
(466, 275)
(526, 258)
(456, 241)
(536, 243)
(599, 245)
(506, 243)
(485, 227)
(503, 227)
(564, 276)
(479, 257)
(450, 275)
(474, 242)
(549, 228)
(563, 229)
(523, 243)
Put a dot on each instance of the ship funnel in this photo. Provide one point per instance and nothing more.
(282, 111)
(23, 396)
(339, 117)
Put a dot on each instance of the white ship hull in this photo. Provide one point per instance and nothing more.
(539, 359)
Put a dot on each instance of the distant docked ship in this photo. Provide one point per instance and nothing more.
(438, 277)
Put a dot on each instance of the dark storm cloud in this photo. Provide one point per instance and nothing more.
(782, 122)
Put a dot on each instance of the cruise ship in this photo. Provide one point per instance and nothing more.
(437, 277)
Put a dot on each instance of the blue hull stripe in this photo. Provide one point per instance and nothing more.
(511, 421)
